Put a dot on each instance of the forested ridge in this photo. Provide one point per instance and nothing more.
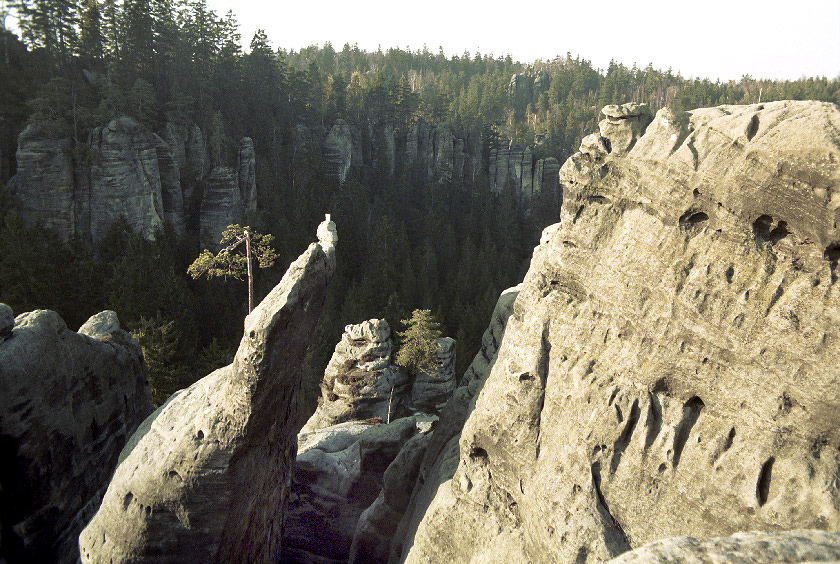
(404, 242)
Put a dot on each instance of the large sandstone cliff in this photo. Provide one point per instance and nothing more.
(670, 367)
(205, 477)
(126, 170)
(68, 403)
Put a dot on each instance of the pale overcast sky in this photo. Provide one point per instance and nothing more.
(714, 39)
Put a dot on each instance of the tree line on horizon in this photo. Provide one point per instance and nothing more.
(406, 243)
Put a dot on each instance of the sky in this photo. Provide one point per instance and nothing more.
(712, 39)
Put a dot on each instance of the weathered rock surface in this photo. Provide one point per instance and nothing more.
(69, 401)
(338, 150)
(124, 179)
(623, 125)
(337, 475)
(670, 368)
(360, 381)
(44, 183)
(440, 457)
(206, 476)
(743, 548)
(129, 171)
(431, 390)
(221, 204)
(377, 524)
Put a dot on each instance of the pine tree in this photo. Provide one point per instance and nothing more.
(418, 348)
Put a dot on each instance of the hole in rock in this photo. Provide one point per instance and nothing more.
(730, 273)
(691, 412)
(693, 219)
(127, 500)
(766, 229)
(762, 488)
(199, 435)
(478, 453)
(752, 127)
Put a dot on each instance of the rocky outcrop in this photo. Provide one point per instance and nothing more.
(431, 389)
(338, 151)
(670, 366)
(127, 171)
(746, 548)
(44, 185)
(440, 456)
(360, 381)
(124, 179)
(221, 204)
(378, 523)
(206, 476)
(337, 475)
(69, 401)
(623, 125)
(512, 168)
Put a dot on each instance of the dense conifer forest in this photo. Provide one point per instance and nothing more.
(404, 242)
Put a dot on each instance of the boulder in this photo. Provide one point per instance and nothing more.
(430, 390)
(670, 366)
(744, 548)
(337, 475)
(69, 402)
(206, 476)
(360, 381)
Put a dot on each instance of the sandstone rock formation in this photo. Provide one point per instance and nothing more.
(404, 498)
(338, 150)
(431, 390)
(440, 457)
(670, 368)
(337, 475)
(44, 183)
(205, 477)
(745, 548)
(512, 167)
(360, 381)
(124, 179)
(69, 401)
(126, 170)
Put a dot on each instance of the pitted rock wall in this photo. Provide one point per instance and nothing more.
(670, 366)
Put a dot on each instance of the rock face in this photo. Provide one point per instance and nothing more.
(360, 377)
(337, 475)
(440, 456)
(430, 390)
(69, 401)
(124, 179)
(670, 367)
(746, 548)
(338, 150)
(206, 476)
(126, 170)
(44, 183)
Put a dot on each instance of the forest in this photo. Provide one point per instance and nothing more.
(404, 243)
